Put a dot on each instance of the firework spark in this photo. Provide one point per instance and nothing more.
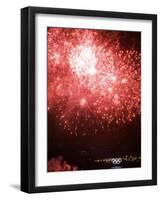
(92, 81)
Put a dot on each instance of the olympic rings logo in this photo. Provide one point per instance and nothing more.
(116, 161)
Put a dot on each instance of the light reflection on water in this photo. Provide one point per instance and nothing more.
(116, 167)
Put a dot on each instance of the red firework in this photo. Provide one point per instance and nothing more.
(92, 79)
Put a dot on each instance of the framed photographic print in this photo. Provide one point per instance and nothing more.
(88, 99)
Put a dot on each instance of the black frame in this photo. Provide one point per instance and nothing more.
(28, 98)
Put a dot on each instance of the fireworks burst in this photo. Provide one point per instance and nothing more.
(92, 81)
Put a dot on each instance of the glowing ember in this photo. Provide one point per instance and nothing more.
(88, 69)
(83, 102)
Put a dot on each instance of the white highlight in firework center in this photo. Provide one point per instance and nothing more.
(83, 60)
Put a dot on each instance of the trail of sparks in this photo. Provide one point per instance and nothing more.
(92, 81)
